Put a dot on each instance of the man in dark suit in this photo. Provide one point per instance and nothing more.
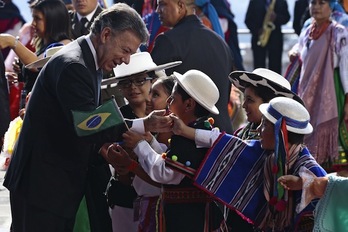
(197, 47)
(301, 14)
(47, 175)
(81, 20)
(4, 102)
(83, 16)
(254, 19)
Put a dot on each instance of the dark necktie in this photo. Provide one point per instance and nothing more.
(99, 80)
(84, 26)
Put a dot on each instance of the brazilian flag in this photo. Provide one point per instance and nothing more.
(103, 117)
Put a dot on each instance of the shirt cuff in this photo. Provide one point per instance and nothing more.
(138, 126)
(206, 138)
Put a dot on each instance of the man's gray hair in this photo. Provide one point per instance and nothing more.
(120, 17)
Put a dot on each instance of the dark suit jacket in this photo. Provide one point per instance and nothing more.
(4, 100)
(301, 14)
(74, 20)
(198, 48)
(257, 11)
(50, 162)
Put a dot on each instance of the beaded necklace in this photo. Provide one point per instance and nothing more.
(317, 31)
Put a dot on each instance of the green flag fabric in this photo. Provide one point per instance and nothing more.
(91, 122)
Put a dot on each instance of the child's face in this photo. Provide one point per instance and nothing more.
(251, 105)
(266, 130)
(136, 89)
(158, 96)
(176, 104)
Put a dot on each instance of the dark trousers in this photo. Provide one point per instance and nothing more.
(273, 51)
(28, 218)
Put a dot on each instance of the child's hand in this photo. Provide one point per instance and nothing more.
(115, 155)
(180, 128)
(178, 125)
(131, 139)
(291, 182)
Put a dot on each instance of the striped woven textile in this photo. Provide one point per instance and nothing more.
(232, 172)
(293, 72)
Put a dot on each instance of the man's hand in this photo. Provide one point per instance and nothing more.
(156, 121)
(131, 139)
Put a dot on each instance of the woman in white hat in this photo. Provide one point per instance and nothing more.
(243, 174)
(134, 80)
(259, 86)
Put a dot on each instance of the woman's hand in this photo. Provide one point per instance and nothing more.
(17, 65)
(11, 77)
(7, 40)
(292, 55)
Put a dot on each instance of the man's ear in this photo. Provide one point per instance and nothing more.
(105, 34)
(181, 5)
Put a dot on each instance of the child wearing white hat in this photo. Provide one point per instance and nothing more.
(243, 173)
(134, 81)
(185, 207)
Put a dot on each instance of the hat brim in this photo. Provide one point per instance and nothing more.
(190, 92)
(159, 67)
(241, 79)
(307, 130)
(39, 63)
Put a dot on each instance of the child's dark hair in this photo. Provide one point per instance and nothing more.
(295, 138)
(200, 111)
(168, 83)
(265, 93)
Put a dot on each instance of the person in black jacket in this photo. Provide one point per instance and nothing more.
(274, 48)
(301, 14)
(231, 35)
(4, 102)
(197, 47)
(83, 16)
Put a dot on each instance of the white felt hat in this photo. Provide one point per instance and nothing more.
(296, 115)
(140, 62)
(200, 87)
(41, 62)
(265, 77)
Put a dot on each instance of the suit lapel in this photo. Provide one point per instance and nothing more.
(89, 62)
